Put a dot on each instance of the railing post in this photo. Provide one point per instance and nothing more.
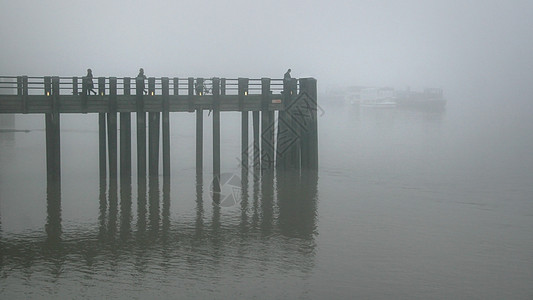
(75, 85)
(101, 86)
(199, 86)
(127, 86)
(223, 86)
(190, 89)
(151, 86)
(48, 86)
(19, 86)
(112, 105)
(139, 88)
(22, 91)
(55, 94)
(176, 85)
(84, 93)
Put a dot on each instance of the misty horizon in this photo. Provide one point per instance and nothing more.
(477, 46)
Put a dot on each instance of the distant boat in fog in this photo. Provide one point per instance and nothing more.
(377, 98)
(430, 98)
(386, 97)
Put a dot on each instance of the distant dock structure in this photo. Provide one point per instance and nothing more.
(284, 119)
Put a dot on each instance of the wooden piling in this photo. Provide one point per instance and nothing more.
(243, 92)
(141, 132)
(256, 150)
(153, 143)
(309, 144)
(267, 127)
(102, 134)
(199, 125)
(53, 162)
(112, 130)
(153, 138)
(199, 139)
(166, 128)
(125, 138)
(216, 135)
(102, 146)
(289, 137)
(53, 143)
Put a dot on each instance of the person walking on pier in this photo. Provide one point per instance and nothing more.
(141, 77)
(89, 82)
(286, 81)
(199, 87)
(287, 76)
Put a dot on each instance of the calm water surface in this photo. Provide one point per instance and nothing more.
(406, 205)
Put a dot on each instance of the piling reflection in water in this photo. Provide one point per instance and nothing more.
(53, 209)
(270, 224)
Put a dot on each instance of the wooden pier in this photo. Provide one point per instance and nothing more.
(284, 119)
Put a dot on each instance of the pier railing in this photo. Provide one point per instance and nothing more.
(14, 85)
(26, 94)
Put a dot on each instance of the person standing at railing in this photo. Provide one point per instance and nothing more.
(141, 77)
(89, 82)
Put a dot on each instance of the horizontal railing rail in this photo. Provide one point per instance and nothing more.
(12, 85)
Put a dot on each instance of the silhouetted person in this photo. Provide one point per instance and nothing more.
(286, 80)
(199, 87)
(287, 76)
(89, 82)
(142, 77)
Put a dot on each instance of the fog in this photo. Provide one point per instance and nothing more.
(408, 203)
(468, 48)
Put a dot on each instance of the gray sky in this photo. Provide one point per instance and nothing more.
(456, 45)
